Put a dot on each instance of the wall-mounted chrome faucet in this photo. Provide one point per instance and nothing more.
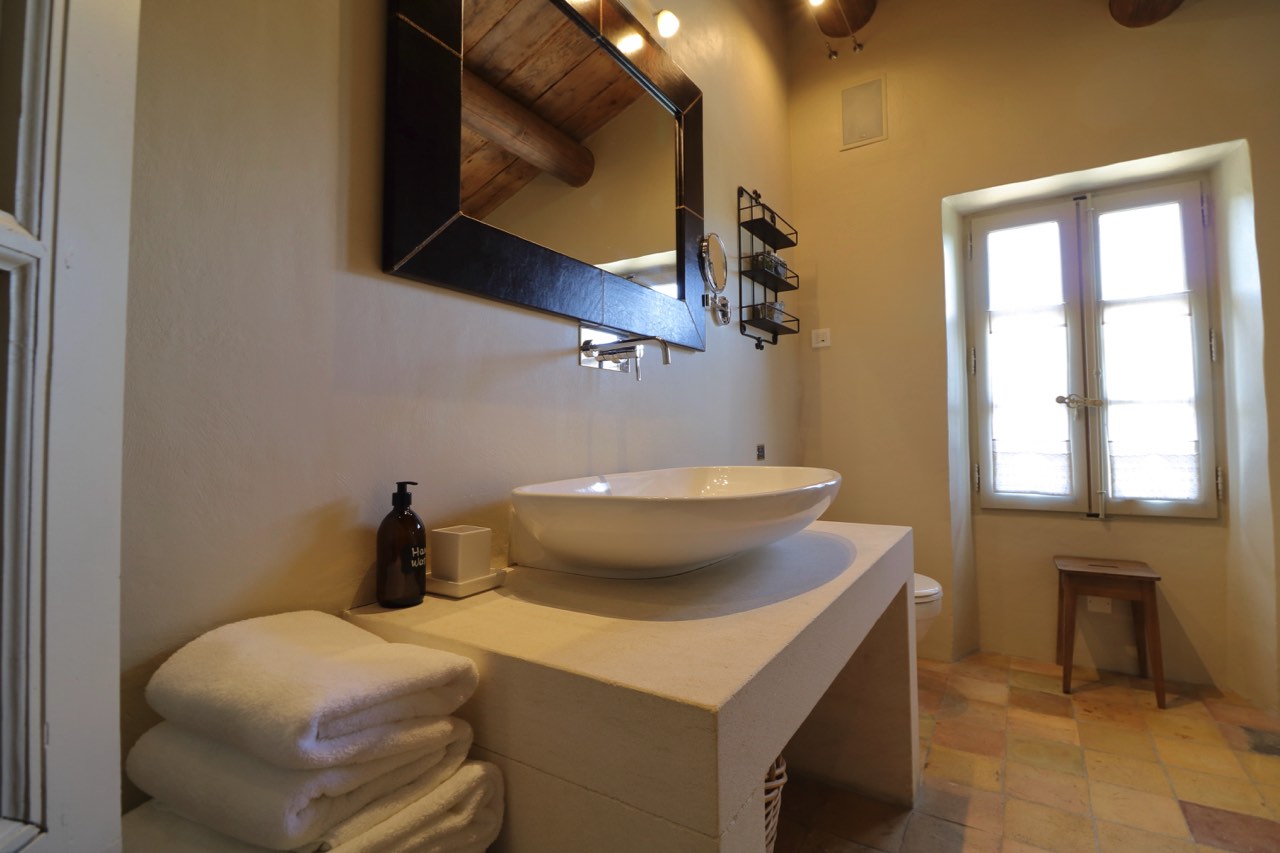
(620, 353)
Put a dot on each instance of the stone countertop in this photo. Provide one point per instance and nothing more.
(722, 624)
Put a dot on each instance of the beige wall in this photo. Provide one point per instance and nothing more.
(983, 94)
(278, 383)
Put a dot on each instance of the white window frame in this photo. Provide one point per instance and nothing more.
(75, 253)
(1076, 217)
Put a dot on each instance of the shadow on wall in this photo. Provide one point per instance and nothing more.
(1110, 642)
(324, 543)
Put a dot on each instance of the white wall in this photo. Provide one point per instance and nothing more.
(983, 94)
(278, 383)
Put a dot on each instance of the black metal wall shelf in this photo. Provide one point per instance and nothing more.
(762, 273)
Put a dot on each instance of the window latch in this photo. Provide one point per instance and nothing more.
(1075, 401)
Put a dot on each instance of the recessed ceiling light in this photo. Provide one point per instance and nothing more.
(630, 43)
(668, 23)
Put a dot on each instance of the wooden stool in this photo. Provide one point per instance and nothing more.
(1124, 579)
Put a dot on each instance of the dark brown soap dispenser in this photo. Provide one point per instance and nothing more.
(402, 552)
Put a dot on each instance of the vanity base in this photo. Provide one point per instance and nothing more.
(643, 715)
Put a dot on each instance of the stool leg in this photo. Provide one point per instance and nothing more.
(1057, 651)
(1068, 633)
(1140, 634)
(1153, 639)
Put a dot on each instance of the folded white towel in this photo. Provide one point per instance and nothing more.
(307, 689)
(236, 794)
(463, 814)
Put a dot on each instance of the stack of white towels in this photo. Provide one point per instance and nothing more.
(302, 732)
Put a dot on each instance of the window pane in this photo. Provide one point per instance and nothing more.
(12, 25)
(1153, 440)
(1030, 433)
(1024, 267)
(1140, 252)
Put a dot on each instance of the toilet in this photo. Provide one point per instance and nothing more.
(928, 603)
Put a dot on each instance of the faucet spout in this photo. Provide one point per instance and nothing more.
(627, 344)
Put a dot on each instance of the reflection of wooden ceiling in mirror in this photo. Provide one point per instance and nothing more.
(535, 56)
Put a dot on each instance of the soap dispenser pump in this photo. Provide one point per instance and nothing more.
(402, 552)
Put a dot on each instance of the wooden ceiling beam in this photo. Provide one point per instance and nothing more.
(1142, 13)
(523, 132)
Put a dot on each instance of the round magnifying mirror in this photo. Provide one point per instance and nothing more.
(714, 262)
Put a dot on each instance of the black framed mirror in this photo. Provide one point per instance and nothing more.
(432, 232)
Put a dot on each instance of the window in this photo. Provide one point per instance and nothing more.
(1090, 356)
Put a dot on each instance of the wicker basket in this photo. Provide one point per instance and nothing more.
(773, 782)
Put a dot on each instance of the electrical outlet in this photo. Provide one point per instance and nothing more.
(819, 338)
(759, 452)
(1097, 604)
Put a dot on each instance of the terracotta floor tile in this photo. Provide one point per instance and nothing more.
(1130, 717)
(1049, 755)
(1271, 796)
(970, 738)
(818, 841)
(1261, 740)
(1117, 838)
(957, 707)
(1261, 768)
(1229, 712)
(1118, 740)
(961, 804)
(1043, 726)
(929, 665)
(1236, 737)
(1065, 791)
(1195, 755)
(1220, 792)
(1038, 681)
(928, 834)
(979, 690)
(1048, 828)
(989, 659)
(967, 768)
(1117, 775)
(1104, 693)
(1037, 666)
(929, 701)
(994, 673)
(1053, 704)
(862, 820)
(926, 726)
(1127, 772)
(1012, 845)
(931, 680)
(1139, 809)
(1227, 830)
(1200, 727)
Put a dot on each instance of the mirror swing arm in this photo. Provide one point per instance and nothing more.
(427, 237)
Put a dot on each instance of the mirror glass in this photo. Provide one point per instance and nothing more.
(714, 262)
(529, 159)
(608, 197)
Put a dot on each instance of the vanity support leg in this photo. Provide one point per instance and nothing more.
(863, 733)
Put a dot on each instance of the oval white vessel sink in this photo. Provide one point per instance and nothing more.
(651, 524)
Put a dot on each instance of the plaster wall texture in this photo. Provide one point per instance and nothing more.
(982, 95)
(278, 383)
